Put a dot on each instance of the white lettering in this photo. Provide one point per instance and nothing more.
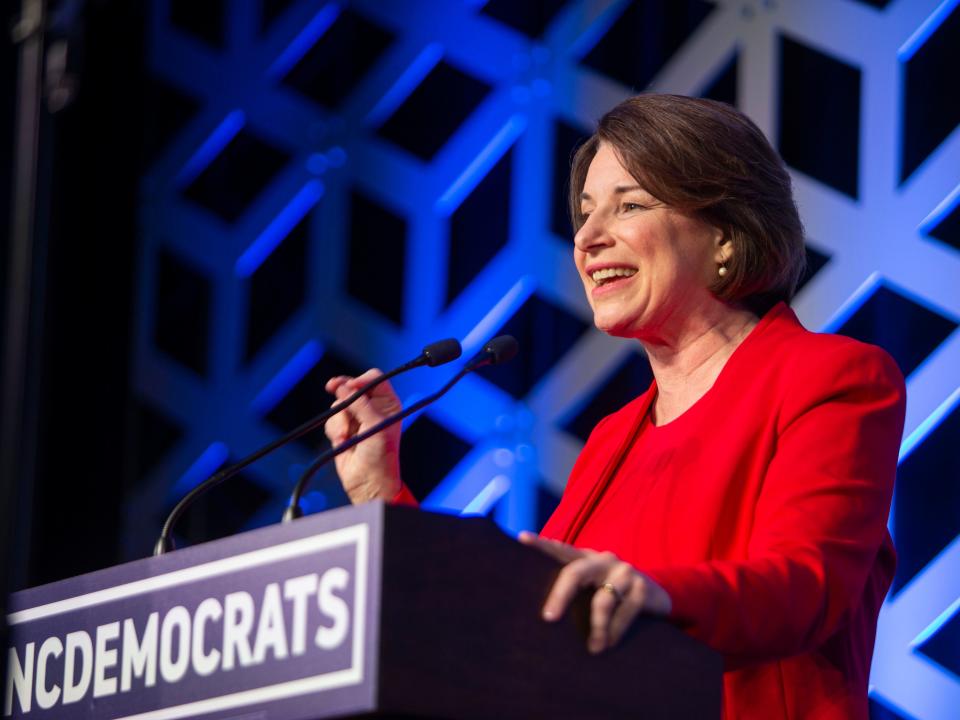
(205, 663)
(105, 658)
(112, 656)
(78, 640)
(176, 620)
(237, 622)
(271, 630)
(298, 589)
(46, 699)
(139, 659)
(19, 677)
(334, 607)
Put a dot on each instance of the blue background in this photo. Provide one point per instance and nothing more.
(323, 187)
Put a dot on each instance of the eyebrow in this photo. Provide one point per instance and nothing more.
(618, 190)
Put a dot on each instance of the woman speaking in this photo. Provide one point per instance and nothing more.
(745, 494)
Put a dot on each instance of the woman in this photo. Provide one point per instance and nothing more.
(745, 494)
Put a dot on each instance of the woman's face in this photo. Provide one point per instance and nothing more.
(644, 266)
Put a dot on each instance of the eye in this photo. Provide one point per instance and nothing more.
(628, 206)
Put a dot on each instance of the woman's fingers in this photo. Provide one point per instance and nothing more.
(342, 386)
(334, 384)
(621, 592)
(366, 411)
(371, 469)
(554, 548)
(622, 618)
(606, 601)
(638, 594)
(582, 572)
(618, 600)
(337, 428)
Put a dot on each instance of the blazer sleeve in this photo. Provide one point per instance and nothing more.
(820, 516)
(404, 497)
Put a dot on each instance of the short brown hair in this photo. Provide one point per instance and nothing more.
(710, 160)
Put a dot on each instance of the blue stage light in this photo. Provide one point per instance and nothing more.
(278, 229)
(289, 375)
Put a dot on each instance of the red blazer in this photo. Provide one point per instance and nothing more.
(762, 511)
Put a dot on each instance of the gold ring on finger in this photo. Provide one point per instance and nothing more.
(613, 590)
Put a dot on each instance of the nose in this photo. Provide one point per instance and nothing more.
(592, 234)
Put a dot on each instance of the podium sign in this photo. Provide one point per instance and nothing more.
(371, 610)
(275, 617)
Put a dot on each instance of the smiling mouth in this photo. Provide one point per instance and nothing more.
(608, 275)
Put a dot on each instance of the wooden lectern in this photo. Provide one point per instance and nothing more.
(366, 611)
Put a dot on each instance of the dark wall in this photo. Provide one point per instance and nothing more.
(87, 217)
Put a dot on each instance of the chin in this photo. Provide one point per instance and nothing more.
(614, 328)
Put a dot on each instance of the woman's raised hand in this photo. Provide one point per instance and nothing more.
(370, 470)
(622, 592)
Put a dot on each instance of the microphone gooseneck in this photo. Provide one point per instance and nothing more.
(499, 350)
(434, 354)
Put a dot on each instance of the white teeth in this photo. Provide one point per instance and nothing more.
(600, 276)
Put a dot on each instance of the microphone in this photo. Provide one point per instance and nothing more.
(434, 354)
(496, 352)
(499, 350)
(439, 353)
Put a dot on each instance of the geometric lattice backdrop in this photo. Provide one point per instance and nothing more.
(333, 185)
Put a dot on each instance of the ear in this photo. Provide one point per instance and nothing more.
(723, 247)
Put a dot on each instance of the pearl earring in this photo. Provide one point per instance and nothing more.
(722, 270)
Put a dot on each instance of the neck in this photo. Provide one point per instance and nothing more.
(687, 358)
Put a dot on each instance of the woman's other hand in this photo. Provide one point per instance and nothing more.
(370, 470)
(622, 592)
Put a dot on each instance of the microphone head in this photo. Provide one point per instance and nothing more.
(501, 349)
(442, 351)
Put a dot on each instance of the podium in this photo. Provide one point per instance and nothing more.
(365, 611)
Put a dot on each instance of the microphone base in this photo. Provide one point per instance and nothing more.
(164, 545)
(292, 512)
